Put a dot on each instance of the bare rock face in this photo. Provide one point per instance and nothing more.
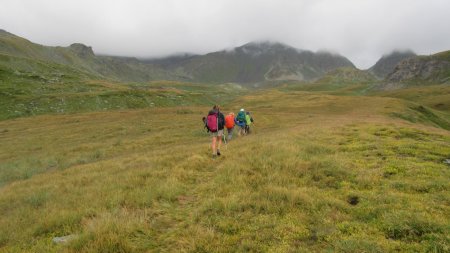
(82, 50)
(420, 69)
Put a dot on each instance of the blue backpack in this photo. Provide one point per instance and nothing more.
(241, 116)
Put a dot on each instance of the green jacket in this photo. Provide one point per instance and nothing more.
(248, 119)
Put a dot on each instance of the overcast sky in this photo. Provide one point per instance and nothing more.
(361, 30)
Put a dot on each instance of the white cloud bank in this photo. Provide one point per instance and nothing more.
(361, 30)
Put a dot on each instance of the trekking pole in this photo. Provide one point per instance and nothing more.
(225, 140)
(223, 132)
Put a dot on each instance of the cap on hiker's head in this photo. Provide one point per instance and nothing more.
(242, 109)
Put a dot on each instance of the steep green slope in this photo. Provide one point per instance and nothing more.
(83, 58)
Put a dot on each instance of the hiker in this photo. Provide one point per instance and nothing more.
(241, 121)
(229, 124)
(248, 122)
(215, 122)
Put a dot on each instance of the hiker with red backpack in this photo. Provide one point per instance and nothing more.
(229, 124)
(215, 122)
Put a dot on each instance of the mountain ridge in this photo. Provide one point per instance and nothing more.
(253, 62)
(256, 62)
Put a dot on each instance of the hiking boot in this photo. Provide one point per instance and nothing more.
(218, 152)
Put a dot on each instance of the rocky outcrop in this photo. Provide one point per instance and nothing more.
(386, 64)
(82, 50)
(421, 69)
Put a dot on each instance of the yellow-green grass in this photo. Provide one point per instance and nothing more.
(318, 173)
(58, 89)
(435, 96)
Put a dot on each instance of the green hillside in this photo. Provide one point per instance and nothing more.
(33, 87)
(82, 58)
(434, 96)
(444, 56)
(341, 81)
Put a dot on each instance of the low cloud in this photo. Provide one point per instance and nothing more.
(362, 30)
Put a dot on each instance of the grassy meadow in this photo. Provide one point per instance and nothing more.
(50, 88)
(434, 96)
(318, 173)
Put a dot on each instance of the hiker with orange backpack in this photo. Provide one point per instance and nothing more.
(215, 122)
(229, 124)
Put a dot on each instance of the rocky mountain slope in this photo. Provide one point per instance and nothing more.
(258, 62)
(433, 69)
(386, 64)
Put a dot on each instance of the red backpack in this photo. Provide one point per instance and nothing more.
(211, 122)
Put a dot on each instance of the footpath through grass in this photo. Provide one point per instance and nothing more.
(318, 173)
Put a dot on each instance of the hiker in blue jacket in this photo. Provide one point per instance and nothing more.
(241, 121)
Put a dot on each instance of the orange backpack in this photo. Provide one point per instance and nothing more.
(229, 121)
